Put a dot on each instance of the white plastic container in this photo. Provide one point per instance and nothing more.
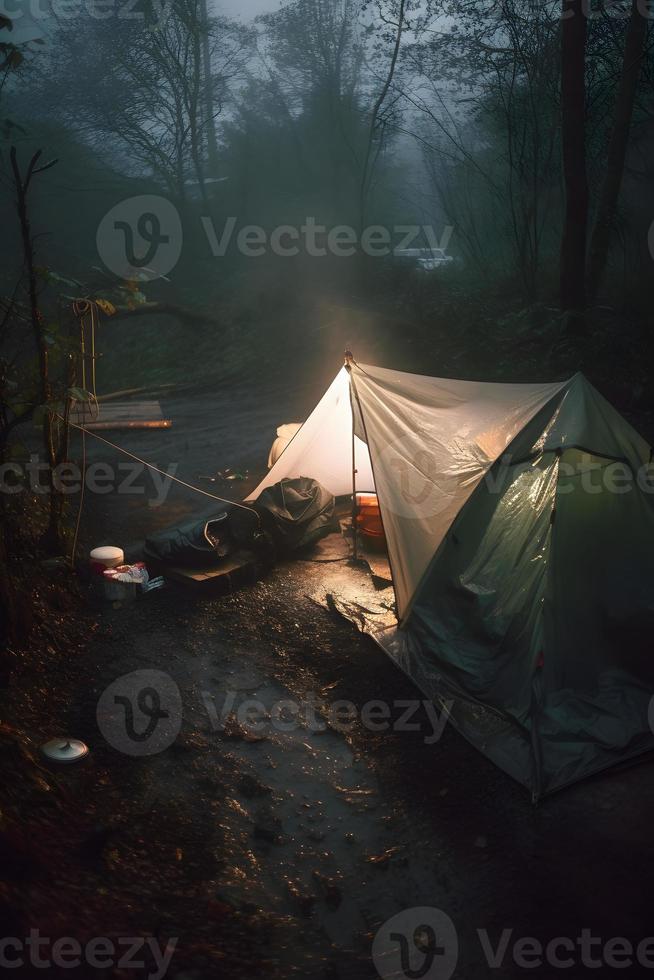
(103, 558)
(116, 591)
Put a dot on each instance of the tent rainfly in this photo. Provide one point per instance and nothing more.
(520, 528)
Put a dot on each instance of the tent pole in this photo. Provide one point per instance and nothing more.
(349, 358)
(355, 509)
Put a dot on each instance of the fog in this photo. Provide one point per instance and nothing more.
(246, 9)
(200, 214)
(432, 144)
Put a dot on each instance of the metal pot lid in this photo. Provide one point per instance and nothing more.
(65, 750)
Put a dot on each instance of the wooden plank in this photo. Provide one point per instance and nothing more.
(126, 426)
(143, 410)
(120, 410)
(241, 568)
(121, 416)
(150, 390)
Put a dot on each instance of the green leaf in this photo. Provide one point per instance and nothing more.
(80, 395)
(55, 278)
(107, 308)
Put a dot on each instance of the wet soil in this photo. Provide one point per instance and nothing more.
(280, 853)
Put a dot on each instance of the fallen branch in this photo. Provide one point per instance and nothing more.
(152, 389)
(161, 309)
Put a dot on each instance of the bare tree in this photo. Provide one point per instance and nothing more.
(634, 51)
(573, 138)
(376, 126)
(488, 96)
(312, 55)
(154, 95)
(22, 185)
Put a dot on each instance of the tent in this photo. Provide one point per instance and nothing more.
(520, 528)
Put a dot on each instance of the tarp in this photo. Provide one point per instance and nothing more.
(431, 442)
(322, 448)
(525, 591)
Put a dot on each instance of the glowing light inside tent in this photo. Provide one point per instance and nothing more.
(322, 449)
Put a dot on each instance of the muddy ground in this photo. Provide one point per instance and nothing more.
(271, 853)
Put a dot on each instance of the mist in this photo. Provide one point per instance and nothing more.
(246, 9)
(326, 392)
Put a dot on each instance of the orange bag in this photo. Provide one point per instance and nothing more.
(369, 522)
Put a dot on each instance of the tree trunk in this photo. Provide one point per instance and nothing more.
(624, 109)
(573, 136)
(212, 141)
(7, 598)
(53, 539)
(370, 158)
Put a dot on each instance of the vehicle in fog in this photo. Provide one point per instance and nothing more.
(428, 259)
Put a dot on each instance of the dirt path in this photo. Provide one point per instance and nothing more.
(280, 850)
(281, 853)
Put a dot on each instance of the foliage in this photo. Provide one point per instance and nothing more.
(147, 96)
(467, 134)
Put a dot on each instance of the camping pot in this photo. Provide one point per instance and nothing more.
(369, 522)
